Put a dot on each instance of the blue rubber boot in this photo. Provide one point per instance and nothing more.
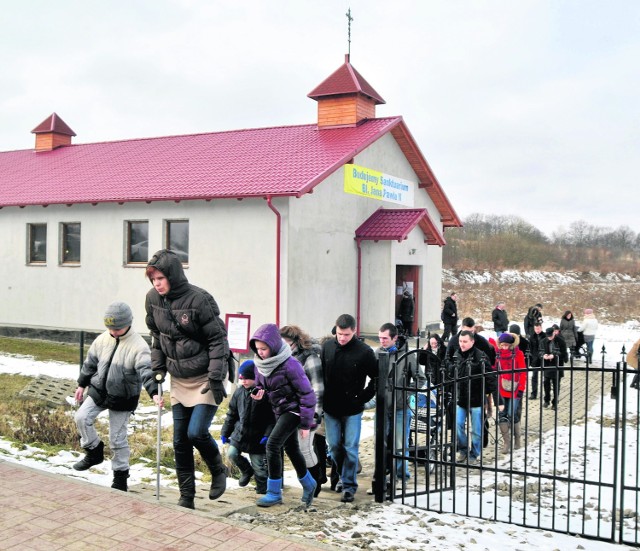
(308, 488)
(273, 495)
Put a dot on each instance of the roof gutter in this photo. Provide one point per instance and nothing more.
(278, 243)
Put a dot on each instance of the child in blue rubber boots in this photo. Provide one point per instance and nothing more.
(281, 379)
(246, 428)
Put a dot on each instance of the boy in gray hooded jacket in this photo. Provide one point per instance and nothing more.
(117, 365)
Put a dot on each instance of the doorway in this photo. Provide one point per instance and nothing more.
(408, 297)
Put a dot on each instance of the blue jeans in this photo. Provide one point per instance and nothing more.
(191, 430)
(510, 411)
(476, 431)
(403, 423)
(258, 464)
(589, 344)
(343, 438)
(284, 436)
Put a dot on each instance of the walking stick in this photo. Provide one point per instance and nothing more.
(159, 379)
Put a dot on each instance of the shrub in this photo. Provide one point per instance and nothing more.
(36, 423)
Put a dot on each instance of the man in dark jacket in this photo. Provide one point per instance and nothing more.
(476, 382)
(406, 374)
(468, 324)
(553, 351)
(347, 362)
(449, 316)
(500, 319)
(535, 340)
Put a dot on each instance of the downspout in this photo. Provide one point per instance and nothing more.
(359, 289)
(278, 240)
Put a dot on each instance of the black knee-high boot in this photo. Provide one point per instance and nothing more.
(187, 485)
(320, 447)
(218, 476)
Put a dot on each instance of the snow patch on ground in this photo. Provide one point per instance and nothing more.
(455, 277)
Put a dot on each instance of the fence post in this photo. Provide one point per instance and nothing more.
(619, 446)
(81, 348)
(379, 472)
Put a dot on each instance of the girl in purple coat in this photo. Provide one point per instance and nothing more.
(282, 380)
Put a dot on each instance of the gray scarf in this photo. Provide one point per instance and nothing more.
(266, 367)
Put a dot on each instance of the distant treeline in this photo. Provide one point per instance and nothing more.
(503, 242)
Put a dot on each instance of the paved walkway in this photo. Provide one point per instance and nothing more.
(39, 510)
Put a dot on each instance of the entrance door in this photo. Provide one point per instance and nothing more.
(407, 289)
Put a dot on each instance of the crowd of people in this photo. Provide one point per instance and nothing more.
(491, 368)
(295, 397)
(304, 398)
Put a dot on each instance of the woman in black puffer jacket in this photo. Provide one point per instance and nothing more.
(189, 341)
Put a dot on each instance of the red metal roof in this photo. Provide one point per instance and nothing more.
(53, 123)
(278, 161)
(397, 224)
(345, 80)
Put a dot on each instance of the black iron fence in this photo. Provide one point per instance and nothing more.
(573, 469)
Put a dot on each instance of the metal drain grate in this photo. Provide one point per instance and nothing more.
(51, 390)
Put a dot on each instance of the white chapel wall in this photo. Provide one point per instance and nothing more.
(322, 270)
(231, 253)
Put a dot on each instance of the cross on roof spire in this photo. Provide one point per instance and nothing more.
(349, 20)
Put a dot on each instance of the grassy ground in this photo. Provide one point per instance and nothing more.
(29, 421)
(32, 421)
(41, 350)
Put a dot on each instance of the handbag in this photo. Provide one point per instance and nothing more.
(509, 385)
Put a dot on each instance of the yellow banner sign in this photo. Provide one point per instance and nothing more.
(369, 183)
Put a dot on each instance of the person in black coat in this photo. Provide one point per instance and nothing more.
(246, 429)
(533, 317)
(347, 363)
(432, 357)
(188, 341)
(553, 352)
(500, 319)
(476, 382)
(406, 313)
(534, 359)
(449, 316)
(468, 324)
(523, 343)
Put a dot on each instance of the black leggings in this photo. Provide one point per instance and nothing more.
(285, 436)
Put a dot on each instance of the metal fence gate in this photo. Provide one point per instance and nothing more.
(576, 472)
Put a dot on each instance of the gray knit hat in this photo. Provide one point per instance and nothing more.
(118, 316)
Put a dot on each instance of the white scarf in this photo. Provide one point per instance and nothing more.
(267, 366)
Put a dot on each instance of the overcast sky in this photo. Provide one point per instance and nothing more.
(520, 107)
